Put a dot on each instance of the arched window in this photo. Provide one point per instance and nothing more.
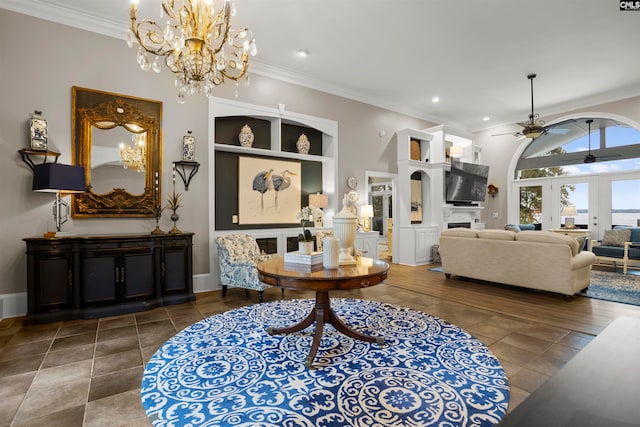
(611, 146)
(592, 163)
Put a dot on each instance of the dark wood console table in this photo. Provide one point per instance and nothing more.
(88, 276)
(599, 387)
(367, 272)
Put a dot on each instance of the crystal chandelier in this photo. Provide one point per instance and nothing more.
(198, 44)
(133, 156)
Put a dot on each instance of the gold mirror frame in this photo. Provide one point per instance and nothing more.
(104, 110)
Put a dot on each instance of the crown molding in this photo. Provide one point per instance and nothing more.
(50, 10)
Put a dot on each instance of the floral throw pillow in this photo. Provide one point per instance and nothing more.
(616, 237)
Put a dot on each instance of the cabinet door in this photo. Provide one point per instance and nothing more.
(368, 244)
(137, 276)
(53, 274)
(100, 276)
(176, 267)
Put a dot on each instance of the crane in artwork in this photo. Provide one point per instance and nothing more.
(281, 182)
(263, 182)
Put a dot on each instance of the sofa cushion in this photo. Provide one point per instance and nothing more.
(616, 237)
(549, 237)
(460, 232)
(635, 232)
(512, 227)
(497, 234)
(616, 251)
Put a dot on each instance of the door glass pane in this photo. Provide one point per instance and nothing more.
(378, 213)
(530, 204)
(574, 196)
(625, 205)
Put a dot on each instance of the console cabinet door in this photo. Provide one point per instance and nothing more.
(177, 272)
(50, 279)
(137, 276)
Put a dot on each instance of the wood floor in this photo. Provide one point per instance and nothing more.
(582, 314)
(88, 372)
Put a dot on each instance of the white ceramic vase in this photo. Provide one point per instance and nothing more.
(330, 252)
(345, 225)
(303, 144)
(246, 136)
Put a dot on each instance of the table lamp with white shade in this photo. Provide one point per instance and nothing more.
(366, 213)
(320, 201)
(569, 212)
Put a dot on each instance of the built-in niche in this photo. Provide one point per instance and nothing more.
(226, 190)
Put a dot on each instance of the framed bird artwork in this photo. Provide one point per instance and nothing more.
(269, 190)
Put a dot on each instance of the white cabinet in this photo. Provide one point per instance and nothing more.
(415, 243)
(367, 243)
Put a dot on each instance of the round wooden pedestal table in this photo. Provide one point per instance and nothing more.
(366, 272)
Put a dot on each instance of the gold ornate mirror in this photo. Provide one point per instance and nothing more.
(118, 140)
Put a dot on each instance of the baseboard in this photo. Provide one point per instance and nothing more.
(13, 305)
(202, 283)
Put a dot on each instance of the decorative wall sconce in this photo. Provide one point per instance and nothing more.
(58, 178)
(186, 170)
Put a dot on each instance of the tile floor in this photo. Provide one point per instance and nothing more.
(88, 372)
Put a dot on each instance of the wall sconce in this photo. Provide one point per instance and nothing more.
(570, 213)
(366, 212)
(455, 152)
(186, 170)
(320, 201)
(57, 178)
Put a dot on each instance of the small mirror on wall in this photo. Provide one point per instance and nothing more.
(117, 138)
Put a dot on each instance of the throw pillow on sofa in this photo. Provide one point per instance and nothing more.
(616, 237)
(512, 227)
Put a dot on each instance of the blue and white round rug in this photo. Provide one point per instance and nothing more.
(227, 371)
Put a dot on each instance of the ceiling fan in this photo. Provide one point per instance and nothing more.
(535, 127)
(590, 157)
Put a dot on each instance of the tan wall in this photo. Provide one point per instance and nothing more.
(37, 71)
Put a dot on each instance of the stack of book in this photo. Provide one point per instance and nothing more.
(300, 262)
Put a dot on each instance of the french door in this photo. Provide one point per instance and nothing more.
(579, 192)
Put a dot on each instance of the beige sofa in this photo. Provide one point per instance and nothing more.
(532, 259)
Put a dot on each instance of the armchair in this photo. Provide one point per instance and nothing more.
(237, 258)
(619, 245)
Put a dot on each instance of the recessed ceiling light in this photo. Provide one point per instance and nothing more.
(303, 53)
(435, 99)
(486, 118)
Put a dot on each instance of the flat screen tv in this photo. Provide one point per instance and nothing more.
(466, 183)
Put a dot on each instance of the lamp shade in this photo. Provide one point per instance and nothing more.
(569, 211)
(455, 151)
(366, 211)
(54, 177)
(319, 200)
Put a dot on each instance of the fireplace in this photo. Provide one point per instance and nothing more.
(458, 224)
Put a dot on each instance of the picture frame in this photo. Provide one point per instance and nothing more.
(269, 190)
(38, 131)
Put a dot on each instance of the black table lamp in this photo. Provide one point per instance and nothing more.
(57, 178)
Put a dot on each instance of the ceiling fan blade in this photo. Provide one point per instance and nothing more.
(556, 131)
(509, 133)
